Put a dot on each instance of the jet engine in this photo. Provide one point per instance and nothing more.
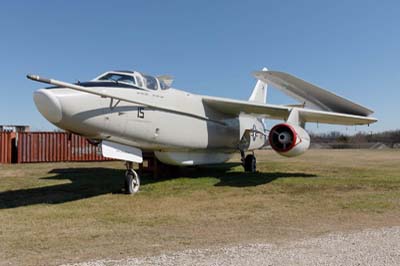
(289, 140)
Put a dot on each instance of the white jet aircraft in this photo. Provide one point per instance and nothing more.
(129, 112)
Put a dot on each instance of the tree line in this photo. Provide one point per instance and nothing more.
(389, 138)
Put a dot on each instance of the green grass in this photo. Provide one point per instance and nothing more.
(55, 213)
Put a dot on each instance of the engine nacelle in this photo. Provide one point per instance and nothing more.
(289, 140)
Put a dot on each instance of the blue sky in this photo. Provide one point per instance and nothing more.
(210, 47)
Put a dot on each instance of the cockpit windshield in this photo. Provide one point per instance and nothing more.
(134, 78)
(119, 78)
(151, 82)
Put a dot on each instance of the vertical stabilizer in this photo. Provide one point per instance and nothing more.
(259, 93)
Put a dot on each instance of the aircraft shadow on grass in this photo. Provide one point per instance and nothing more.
(91, 182)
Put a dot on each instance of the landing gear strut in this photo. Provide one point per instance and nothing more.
(132, 180)
(249, 162)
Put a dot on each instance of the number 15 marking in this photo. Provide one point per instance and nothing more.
(140, 112)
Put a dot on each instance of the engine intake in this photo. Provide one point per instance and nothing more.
(289, 140)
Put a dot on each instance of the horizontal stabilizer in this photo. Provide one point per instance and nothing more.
(311, 95)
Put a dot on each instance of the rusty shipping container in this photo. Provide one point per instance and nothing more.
(6, 141)
(34, 147)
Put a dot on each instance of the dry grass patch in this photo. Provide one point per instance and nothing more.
(55, 213)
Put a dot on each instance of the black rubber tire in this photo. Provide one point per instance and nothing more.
(250, 163)
(132, 182)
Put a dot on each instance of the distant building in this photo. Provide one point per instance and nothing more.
(14, 128)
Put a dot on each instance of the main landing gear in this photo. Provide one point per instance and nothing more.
(132, 180)
(249, 162)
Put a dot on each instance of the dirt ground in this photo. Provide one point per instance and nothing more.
(70, 212)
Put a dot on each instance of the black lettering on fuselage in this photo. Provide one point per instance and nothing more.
(140, 112)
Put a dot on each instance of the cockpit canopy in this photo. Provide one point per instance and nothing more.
(133, 78)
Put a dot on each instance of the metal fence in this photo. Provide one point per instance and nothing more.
(6, 142)
(35, 147)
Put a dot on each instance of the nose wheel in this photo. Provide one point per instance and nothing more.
(249, 162)
(132, 180)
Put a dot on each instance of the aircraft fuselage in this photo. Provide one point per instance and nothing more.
(163, 131)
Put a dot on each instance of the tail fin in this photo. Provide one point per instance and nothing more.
(259, 93)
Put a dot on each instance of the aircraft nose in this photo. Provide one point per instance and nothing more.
(48, 105)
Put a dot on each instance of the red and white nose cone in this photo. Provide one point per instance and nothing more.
(48, 105)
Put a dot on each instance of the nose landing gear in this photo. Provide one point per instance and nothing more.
(132, 180)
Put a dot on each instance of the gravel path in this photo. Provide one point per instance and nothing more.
(368, 247)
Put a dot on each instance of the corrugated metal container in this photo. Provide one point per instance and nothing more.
(34, 147)
(6, 146)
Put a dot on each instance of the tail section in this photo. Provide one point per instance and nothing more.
(259, 93)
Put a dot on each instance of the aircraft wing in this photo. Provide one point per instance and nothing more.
(312, 95)
(235, 107)
(324, 117)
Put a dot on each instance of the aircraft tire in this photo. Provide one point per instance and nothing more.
(250, 164)
(132, 182)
